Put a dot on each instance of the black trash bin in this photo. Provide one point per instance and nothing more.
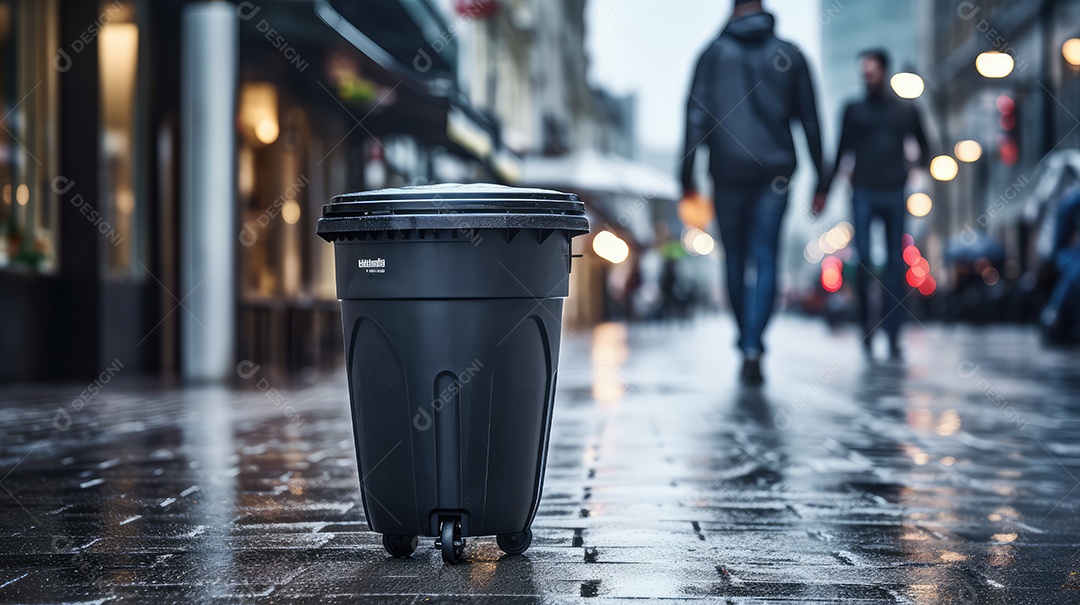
(451, 300)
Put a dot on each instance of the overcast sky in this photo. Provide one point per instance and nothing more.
(651, 47)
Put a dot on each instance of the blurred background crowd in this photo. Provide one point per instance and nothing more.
(163, 162)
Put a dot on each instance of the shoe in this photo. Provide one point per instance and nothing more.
(751, 372)
(868, 347)
(868, 343)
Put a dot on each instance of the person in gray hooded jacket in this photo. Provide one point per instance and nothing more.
(748, 88)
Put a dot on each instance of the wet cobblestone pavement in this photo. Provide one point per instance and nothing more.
(948, 478)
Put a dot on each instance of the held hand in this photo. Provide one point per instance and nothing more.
(695, 210)
(819, 204)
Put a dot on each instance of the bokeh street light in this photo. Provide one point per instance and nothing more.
(697, 242)
(918, 274)
(943, 168)
(704, 244)
(832, 274)
(290, 212)
(968, 151)
(266, 131)
(258, 110)
(610, 247)
(835, 239)
(1071, 51)
(994, 64)
(919, 204)
(907, 85)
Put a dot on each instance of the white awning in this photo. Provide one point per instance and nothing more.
(589, 171)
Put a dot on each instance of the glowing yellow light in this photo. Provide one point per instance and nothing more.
(7, 194)
(907, 85)
(1003, 538)
(920, 418)
(917, 455)
(949, 424)
(22, 194)
(968, 151)
(948, 461)
(609, 247)
(994, 64)
(1071, 51)
(813, 252)
(919, 204)
(831, 241)
(267, 131)
(688, 239)
(836, 239)
(125, 200)
(290, 212)
(259, 112)
(839, 236)
(704, 244)
(915, 537)
(118, 52)
(943, 168)
(824, 245)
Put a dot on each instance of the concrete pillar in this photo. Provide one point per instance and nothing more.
(208, 82)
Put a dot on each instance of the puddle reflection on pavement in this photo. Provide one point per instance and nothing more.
(947, 478)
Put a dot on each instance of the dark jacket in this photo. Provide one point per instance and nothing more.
(748, 87)
(874, 130)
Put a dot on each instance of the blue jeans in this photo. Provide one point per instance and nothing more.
(749, 217)
(887, 205)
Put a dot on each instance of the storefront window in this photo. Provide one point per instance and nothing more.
(28, 145)
(118, 62)
(273, 184)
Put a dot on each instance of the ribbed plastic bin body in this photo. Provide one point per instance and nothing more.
(451, 301)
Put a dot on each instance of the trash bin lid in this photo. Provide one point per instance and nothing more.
(453, 206)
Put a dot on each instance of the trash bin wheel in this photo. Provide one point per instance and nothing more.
(399, 545)
(515, 543)
(450, 541)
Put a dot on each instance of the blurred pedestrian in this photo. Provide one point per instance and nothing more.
(874, 132)
(1061, 316)
(747, 89)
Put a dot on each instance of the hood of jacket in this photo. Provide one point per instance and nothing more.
(752, 27)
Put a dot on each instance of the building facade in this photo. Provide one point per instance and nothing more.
(163, 162)
(1022, 121)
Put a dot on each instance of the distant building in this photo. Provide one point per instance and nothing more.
(523, 62)
(1017, 120)
(849, 27)
(616, 116)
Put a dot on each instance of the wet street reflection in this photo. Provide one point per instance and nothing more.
(950, 477)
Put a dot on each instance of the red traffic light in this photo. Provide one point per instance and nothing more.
(832, 274)
(1006, 105)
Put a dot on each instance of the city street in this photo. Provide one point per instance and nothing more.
(950, 477)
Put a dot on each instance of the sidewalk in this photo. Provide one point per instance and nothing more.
(950, 477)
